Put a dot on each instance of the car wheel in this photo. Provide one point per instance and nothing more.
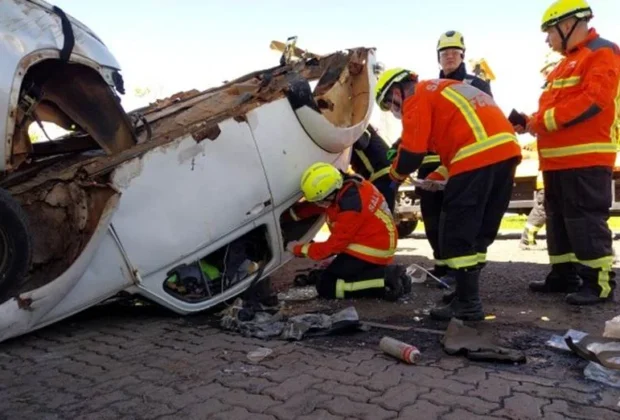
(15, 244)
(406, 228)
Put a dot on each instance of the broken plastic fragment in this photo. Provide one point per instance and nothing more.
(612, 328)
(259, 354)
(559, 342)
(599, 373)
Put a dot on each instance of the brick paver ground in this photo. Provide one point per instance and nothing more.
(164, 368)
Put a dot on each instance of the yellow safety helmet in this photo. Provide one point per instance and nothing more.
(451, 39)
(320, 180)
(564, 9)
(386, 80)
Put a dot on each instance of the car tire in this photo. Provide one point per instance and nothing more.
(15, 244)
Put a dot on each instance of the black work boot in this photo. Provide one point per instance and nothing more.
(447, 297)
(563, 278)
(393, 288)
(449, 279)
(405, 280)
(591, 292)
(466, 306)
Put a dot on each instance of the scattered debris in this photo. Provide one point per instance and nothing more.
(489, 317)
(429, 331)
(612, 328)
(259, 354)
(460, 338)
(402, 351)
(599, 373)
(423, 275)
(387, 326)
(275, 325)
(602, 350)
(298, 294)
(559, 341)
(544, 318)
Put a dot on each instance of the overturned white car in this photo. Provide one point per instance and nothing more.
(176, 191)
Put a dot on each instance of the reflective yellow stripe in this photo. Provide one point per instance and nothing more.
(388, 220)
(531, 237)
(443, 171)
(482, 257)
(375, 252)
(603, 263)
(614, 134)
(549, 118)
(561, 259)
(365, 161)
(462, 262)
(564, 83)
(430, 159)
(380, 173)
(490, 142)
(372, 252)
(304, 249)
(603, 282)
(440, 262)
(468, 112)
(396, 175)
(579, 149)
(531, 231)
(540, 184)
(355, 286)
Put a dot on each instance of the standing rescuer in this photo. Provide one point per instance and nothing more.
(576, 126)
(450, 55)
(537, 216)
(478, 147)
(363, 236)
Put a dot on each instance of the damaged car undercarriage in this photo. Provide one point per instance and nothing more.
(123, 199)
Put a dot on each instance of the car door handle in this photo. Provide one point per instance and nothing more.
(258, 208)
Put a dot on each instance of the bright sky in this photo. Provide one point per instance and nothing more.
(173, 45)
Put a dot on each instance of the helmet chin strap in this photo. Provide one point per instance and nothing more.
(566, 38)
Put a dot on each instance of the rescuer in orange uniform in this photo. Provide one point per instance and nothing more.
(576, 126)
(363, 236)
(478, 147)
(450, 55)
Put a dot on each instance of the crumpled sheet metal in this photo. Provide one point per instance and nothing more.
(462, 339)
(265, 325)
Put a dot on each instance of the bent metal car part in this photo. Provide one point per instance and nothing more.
(130, 201)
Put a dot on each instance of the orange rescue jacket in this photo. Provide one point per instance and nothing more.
(360, 224)
(578, 112)
(457, 121)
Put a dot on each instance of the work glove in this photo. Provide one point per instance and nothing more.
(431, 185)
(290, 247)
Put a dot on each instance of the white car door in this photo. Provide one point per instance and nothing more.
(179, 198)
